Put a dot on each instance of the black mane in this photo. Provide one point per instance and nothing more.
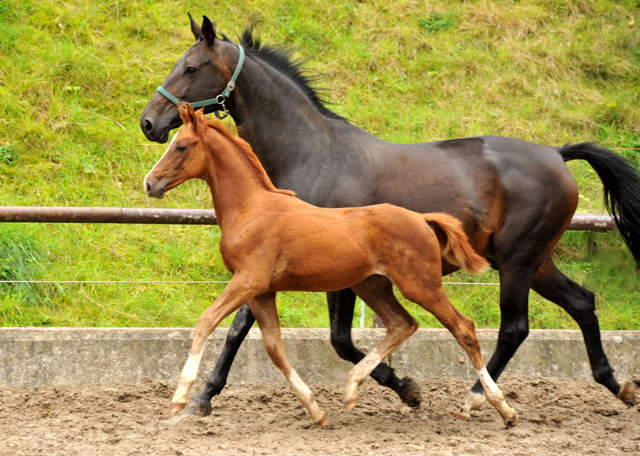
(280, 58)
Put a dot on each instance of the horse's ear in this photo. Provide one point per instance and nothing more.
(195, 28)
(208, 31)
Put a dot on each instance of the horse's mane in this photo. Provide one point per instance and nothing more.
(247, 152)
(280, 57)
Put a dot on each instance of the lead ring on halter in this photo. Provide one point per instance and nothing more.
(220, 99)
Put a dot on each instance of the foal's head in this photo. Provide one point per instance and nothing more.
(185, 158)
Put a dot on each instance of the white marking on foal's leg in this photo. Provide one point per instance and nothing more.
(358, 374)
(187, 379)
(307, 398)
(496, 398)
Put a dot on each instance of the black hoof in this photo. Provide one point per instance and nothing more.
(198, 408)
(409, 392)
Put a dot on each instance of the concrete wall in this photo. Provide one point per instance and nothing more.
(36, 356)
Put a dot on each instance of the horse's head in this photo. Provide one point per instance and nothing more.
(184, 159)
(201, 73)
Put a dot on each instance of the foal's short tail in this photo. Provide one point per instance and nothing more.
(454, 243)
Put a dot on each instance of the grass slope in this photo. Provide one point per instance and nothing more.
(75, 76)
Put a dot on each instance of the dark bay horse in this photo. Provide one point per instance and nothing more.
(515, 198)
(272, 241)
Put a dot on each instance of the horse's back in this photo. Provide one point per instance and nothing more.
(488, 182)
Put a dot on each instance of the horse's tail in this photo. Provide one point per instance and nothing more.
(454, 244)
(621, 183)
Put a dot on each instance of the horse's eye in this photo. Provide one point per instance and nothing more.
(190, 70)
(181, 148)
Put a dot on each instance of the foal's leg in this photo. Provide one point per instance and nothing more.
(580, 304)
(433, 298)
(264, 309)
(242, 322)
(341, 305)
(377, 293)
(239, 290)
(515, 282)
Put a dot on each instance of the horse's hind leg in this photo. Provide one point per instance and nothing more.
(239, 290)
(341, 305)
(264, 309)
(553, 285)
(433, 298)
(242, 322)
(377, 293)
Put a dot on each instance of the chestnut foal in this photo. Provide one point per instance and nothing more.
(272, 241)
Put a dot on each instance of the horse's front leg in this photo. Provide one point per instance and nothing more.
(239, 290)
(341, 307)
(201, 404)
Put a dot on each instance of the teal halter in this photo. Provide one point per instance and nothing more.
(220, 99)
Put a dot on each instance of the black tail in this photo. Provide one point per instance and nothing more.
(621, 183)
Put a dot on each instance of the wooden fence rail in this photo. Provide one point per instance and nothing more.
(39, 214)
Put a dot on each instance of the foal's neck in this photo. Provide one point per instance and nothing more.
(235, 176)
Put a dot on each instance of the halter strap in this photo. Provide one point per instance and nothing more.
(220, 99)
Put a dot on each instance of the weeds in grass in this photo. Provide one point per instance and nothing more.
(437, 22)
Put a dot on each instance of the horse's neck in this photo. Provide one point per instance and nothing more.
(279, 121)
(233, 180)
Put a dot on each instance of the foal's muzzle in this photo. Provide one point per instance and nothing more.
(154, 188)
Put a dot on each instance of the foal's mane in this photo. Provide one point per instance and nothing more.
(244, 147)
(280, 57)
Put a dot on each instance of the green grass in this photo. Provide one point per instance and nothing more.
(75, 76)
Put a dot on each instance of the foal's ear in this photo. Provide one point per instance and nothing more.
(187, 114)
(195, 28)
(200, 121)
(208, 30)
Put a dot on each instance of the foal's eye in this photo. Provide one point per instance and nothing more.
(190, 70)
(181, 148)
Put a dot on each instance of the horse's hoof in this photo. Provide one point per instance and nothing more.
(627, 392)
(176, 407)
(512, 421)
(198, 408)
(409, 392)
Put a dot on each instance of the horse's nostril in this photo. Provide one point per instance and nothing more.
(147, 125)
(148, 187)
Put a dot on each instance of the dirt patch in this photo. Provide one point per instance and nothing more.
(557, 416)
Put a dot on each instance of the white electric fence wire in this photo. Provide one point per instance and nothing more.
(183, 281)
(362, 305)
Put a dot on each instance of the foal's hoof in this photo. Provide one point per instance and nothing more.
(321, 420)
(513, 420)
(198, 408)
(409, 392)
(176, 407)
(350, 404)
(473, 401)
(627, 392)
(460, 415)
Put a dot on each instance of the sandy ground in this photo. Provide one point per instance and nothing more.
(557, 417)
